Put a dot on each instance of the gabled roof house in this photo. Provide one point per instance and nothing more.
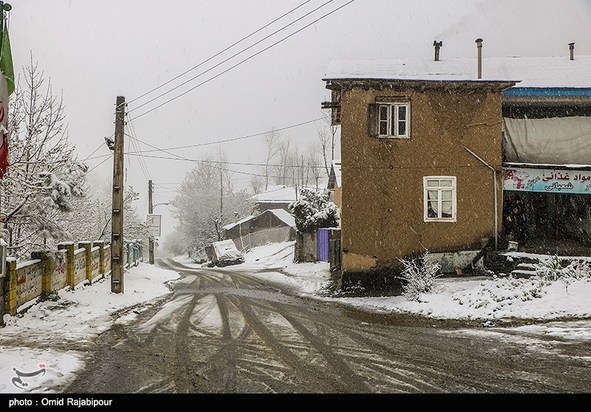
(425, 145)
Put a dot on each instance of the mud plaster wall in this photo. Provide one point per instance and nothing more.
(382, 215)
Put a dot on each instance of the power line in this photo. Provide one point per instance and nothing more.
(231, 57)
(141, 159)
(177, 157)
(227, 163)
(109, 156)
(95, 150)
(220, 52)
(244, 60)
(233, 139)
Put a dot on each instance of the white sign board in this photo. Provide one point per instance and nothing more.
(154, 223)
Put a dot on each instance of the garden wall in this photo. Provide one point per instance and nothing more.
(48, 272)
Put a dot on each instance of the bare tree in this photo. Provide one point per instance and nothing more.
(313, 165)
(205, 201)
(271, 142)
(256, 184)
(282, 175)
(325, 146)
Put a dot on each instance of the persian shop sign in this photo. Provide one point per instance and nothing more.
(547, 180)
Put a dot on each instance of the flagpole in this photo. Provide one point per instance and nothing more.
(3, 7)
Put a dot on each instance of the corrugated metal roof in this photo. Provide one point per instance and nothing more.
(281, 214)
(528, 71)
(284, 216)
(231, 225)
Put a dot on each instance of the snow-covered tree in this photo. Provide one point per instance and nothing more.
(313, 210)
(43, 174)
(206, 202)
(90, 218)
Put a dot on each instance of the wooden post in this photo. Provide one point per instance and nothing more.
(150, 239)
(117, 264)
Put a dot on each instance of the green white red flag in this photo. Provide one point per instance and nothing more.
(6, 89)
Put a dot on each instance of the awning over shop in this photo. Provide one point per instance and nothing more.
(556, 141)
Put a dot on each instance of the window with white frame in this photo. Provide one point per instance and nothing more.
(394, 120)
(439, 198)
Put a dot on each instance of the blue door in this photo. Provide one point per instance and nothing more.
(323, 245)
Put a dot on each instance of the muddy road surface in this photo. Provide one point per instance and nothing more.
(225, 331)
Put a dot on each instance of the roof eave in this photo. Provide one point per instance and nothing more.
(382, 83)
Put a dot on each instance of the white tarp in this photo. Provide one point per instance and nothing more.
(556, 140)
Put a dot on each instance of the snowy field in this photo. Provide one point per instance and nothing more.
(29, 342)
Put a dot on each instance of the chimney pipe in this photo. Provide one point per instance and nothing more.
(571, 47)
(437, 45)
(479, 45)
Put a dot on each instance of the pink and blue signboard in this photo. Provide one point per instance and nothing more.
(547, 180)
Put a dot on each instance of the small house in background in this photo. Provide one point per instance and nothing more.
(270, 226)
(276, 197)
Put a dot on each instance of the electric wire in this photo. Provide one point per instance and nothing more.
(231, 57)
(243, 61)
(234, 139)
(95, 150)
(220, 52)
(141, 159)
(90, 170)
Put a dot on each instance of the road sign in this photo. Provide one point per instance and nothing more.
(154, 223)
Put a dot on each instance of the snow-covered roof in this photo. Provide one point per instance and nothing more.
(528, 71)
(231, 225)
(276, 194)
(281, 214)
(284, 216)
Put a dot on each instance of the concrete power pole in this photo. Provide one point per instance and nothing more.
(150, 211)
(117, 264)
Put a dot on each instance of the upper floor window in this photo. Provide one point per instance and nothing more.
(439, 198)
(390, 120)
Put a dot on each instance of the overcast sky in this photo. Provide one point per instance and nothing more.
(94, 51)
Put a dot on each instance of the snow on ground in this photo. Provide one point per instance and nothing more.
(79, 316)
(72, 321)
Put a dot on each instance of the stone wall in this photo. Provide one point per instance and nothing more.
(48, 272)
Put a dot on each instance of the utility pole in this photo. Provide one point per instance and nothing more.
(150, 211)
(117, 264)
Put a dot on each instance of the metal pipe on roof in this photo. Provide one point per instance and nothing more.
(479, 45)
(571, 47)
(437, 45)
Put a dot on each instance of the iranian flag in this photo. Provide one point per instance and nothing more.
(6, 89)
